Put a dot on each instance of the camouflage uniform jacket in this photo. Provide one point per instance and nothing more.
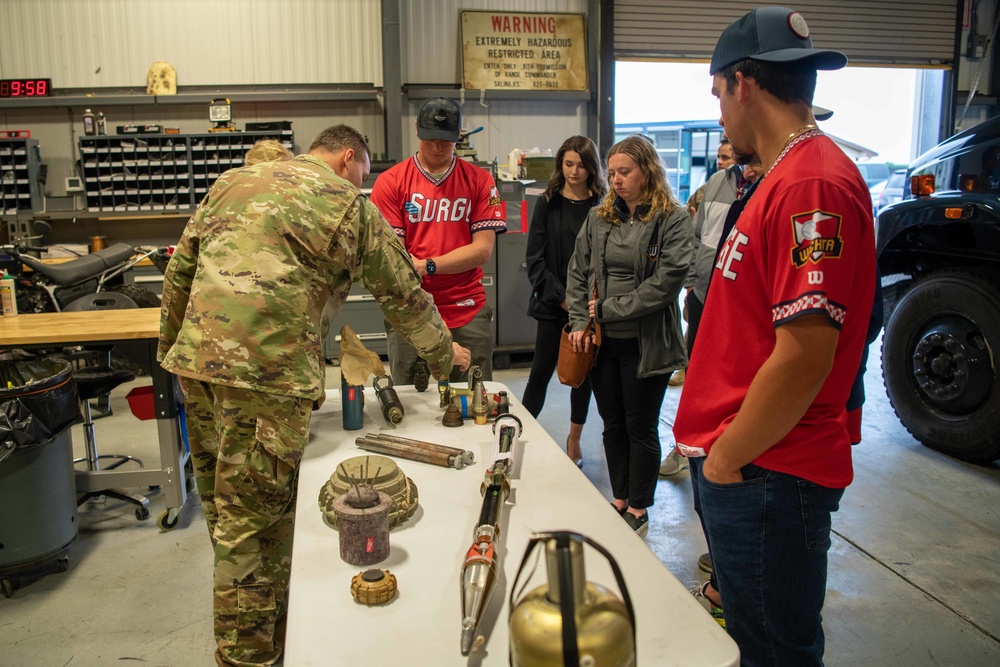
(245, 289)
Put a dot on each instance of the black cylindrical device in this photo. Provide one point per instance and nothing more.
(392, 408)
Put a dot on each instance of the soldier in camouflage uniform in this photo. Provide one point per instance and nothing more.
(240, 326)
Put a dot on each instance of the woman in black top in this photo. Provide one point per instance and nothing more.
(576, 186)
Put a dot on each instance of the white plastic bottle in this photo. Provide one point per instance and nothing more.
(8, 298)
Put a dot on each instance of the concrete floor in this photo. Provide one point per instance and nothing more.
(914, 568)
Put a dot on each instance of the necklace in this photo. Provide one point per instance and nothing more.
(791, 141)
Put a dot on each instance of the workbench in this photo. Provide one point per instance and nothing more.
(421, 626)
(139, 328)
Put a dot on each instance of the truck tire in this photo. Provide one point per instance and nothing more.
(143, 297)
(940, 355)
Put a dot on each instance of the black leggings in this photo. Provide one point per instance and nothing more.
(542, 367)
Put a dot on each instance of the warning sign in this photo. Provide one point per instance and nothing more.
(523, 51)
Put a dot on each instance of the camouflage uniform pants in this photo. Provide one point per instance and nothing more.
(246, 447)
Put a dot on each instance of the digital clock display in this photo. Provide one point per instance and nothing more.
(25, 87)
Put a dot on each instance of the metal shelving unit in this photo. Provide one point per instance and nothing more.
(19, 186)
(161, 172)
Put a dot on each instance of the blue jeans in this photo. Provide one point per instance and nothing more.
(769, 536)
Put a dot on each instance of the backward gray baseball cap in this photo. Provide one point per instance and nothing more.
(772, 34)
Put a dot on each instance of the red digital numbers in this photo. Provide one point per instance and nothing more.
(25, 87)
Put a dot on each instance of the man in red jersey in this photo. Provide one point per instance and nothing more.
(447, 213)
(763, 413)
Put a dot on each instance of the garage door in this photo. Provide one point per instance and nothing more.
(916, 33)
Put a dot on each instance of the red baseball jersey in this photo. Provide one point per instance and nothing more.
(804, 245)
(435, 216)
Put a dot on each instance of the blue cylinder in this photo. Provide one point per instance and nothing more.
(352, 401)
(465, 404)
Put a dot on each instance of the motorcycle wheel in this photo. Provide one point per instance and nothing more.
(143, 297)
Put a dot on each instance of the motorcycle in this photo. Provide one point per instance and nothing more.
(50, 288)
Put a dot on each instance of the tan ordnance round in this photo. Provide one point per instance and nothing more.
(373, 587)
(390, 480)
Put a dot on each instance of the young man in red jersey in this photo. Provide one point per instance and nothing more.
(763, 413)
(447, 213)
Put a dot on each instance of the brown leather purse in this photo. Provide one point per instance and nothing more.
(574, 366)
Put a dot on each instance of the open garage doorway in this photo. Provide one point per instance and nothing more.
(882, 116)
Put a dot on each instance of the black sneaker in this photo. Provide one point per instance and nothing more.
(640, 524)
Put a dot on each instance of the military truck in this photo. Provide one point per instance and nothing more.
(939, 256)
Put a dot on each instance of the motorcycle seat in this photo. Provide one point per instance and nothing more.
(82, 268)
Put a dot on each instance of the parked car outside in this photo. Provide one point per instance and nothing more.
(873, 172)
(893, 190)
(876, 194)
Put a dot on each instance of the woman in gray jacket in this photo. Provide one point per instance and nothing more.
(636, 247)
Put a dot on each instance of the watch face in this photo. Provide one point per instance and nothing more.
(220, 113)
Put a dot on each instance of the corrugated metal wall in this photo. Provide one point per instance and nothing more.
(431, 31)
(112, 43)
(912, 32)
(432, 55)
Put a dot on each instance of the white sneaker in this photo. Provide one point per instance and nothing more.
(673, 463)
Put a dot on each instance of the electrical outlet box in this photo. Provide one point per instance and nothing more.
(975, 46)
(74, 184)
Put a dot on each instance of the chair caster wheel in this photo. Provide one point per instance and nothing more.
(141, 513)
(168, 519)
(62, 564)
(6, 587)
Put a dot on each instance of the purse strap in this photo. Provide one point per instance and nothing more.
(596, 325)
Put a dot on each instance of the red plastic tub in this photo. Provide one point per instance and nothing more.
(140, 401)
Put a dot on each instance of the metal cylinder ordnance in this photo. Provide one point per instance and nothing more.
(408, 452)
(466, 455)
(479, 409)
(363, 520)
(461, 398)
(443, 393)
(352, 402)
(392, 408)
(503, 404)
(417, 451)
(479, 571)
(570, 621)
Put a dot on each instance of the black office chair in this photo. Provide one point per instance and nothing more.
(96, 382)
(101, 301)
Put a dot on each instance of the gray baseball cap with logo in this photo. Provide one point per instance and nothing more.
(772, 34)
(439, 119)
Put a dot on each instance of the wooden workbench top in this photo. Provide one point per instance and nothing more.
(79, 327)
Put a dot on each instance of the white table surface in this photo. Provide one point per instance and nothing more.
(421, 626)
